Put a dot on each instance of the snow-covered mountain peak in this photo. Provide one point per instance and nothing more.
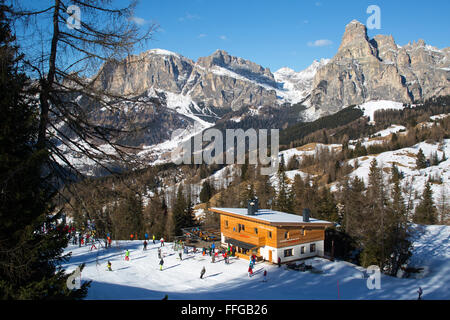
(296, 86)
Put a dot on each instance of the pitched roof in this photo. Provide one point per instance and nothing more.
(271, 216)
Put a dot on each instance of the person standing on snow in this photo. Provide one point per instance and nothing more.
(145, 245)
(109, 266)
(162, 242)
(250, 271)
(420, 291)
(161, 262)
(159, 253)
(202, 273)
(153, 239)
(265, 275)
(127, 255)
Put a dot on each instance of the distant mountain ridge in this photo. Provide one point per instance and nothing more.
(176, 92)
(362, 70)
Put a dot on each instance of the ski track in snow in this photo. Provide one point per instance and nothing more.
(140, 278)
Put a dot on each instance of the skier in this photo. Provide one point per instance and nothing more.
(202, 272)
(93, 246)
(180, 254)
(153, 239)
(420, 291)
(212, 258)
(161, 262)
(265, 275)
(109, 266)
(162, 242)
(109, 241)
(250, 271)
(145, 245)
(127, 255)
(159, 253)
(279, 262)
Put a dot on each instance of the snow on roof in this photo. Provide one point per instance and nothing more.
(271, 216)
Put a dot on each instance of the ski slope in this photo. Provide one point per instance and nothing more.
(140, 278)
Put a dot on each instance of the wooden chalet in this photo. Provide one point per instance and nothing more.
(271, 234)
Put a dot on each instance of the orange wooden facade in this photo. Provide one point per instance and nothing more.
(262, 233)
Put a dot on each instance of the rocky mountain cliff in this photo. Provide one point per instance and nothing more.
(378, 69)
(216, 81)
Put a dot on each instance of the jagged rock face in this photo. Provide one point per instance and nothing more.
(219, 81)
(155, 68)
(378, 69)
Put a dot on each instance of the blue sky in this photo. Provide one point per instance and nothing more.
(285, 32)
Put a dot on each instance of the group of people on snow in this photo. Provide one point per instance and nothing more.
(180, 247)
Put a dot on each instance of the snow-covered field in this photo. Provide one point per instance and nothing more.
(140, 278)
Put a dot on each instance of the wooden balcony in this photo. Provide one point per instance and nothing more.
(245, 237)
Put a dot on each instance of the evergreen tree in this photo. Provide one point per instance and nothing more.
(156, 216)
(282, 165)
(207, 192)
(326, 206)
(421, 161)
(426, 211)
(128, 215)
(178, 212)
(32, 238)
(183, 211)
(284, 200)
(374, 222)
(397, 244)
(354, 204)
(298, 188)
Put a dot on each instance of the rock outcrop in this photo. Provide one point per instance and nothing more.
(378, 69)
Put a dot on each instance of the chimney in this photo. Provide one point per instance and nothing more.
(306, 214)
(252, 207)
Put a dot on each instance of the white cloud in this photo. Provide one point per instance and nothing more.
(138, 21)
(320, 43)
(188, 17)
(222, 37)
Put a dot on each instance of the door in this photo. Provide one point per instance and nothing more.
(270, 255)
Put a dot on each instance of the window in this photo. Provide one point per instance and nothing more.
(269, 234)
(302, 232)
(312, 247)
(302, 250)
(286, 235)
(288, 253)
(256, 230)
(226, 224)
(241, 227)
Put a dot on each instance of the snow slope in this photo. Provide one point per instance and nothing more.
(140, 278)
(405, 160)
(370, 107)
